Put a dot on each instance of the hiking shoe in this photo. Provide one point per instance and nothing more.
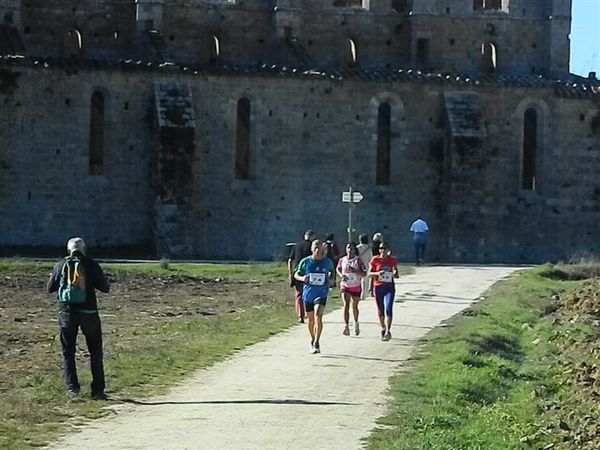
(356, 329)
(387, 336)
(73, 392)
(317, 348)
(99, 396)
(346, 331)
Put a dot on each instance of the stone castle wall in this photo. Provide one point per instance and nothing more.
(311, 138)
(528, 36)
(458, 78)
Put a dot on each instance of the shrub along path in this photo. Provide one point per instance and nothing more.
(276, 395)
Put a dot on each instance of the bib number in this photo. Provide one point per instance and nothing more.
(351, 278)
(316, 279)
(386, 277)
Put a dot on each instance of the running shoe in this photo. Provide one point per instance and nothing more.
(383, 334)
(356, 329)
(387, 336)
(317, 348)
(346, 331)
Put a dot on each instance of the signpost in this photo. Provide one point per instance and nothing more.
(351, 197)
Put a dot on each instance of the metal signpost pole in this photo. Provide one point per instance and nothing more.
(351, 197)
(350, 216)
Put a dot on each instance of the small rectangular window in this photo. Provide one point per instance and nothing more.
(494, 5)
(399, 6)
(422, 51)
(348, 3)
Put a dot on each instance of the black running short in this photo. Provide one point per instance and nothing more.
(310, 306)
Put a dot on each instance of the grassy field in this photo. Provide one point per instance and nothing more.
(159, 325)
(518, 370)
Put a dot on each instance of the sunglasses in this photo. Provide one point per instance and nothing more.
(384, 248)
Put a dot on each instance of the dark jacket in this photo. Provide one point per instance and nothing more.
(94, 279)
(375, 247)
(300, 251)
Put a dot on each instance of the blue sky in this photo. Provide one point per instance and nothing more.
(585, 37)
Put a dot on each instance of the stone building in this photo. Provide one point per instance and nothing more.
(225, 128)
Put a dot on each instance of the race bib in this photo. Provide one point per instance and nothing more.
(387, 277)
(316, 279)
(351, 278)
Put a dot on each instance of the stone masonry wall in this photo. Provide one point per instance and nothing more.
(311, 138)
(258, 32)
(46, 194)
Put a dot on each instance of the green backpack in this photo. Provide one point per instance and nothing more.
(71, 290)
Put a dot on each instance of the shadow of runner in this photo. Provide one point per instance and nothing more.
(334, 356)
(239, 402)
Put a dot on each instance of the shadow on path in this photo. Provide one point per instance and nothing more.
(334, 356)
(238, 402)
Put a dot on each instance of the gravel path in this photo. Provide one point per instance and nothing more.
(275, 395)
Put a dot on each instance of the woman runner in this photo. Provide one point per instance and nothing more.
(384, 268)
(351, 271)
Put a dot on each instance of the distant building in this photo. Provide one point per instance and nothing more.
(222, 129)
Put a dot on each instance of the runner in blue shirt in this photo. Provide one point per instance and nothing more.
(315, 272)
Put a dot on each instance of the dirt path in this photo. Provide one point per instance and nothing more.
(276, 395)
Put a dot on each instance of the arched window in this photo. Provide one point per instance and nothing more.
(530, 150)
(489, 57)
(352, 53)
(96, 160)
(72, 44)
(215, 50)
(384, 125)
(242, 140)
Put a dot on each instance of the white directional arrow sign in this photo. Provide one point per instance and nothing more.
(355, 196)
(351, 197)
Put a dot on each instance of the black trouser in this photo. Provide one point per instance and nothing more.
(69, 323)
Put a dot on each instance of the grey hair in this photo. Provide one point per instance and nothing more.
(76, 244)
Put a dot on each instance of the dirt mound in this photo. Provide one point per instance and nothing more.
(577, 339)
(584, 303)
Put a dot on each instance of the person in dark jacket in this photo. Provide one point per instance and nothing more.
(71, 317)
(300, 251)
(377, 239)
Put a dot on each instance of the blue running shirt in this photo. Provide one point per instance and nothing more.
(318, 278)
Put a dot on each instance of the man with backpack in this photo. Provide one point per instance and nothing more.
(75, 279)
